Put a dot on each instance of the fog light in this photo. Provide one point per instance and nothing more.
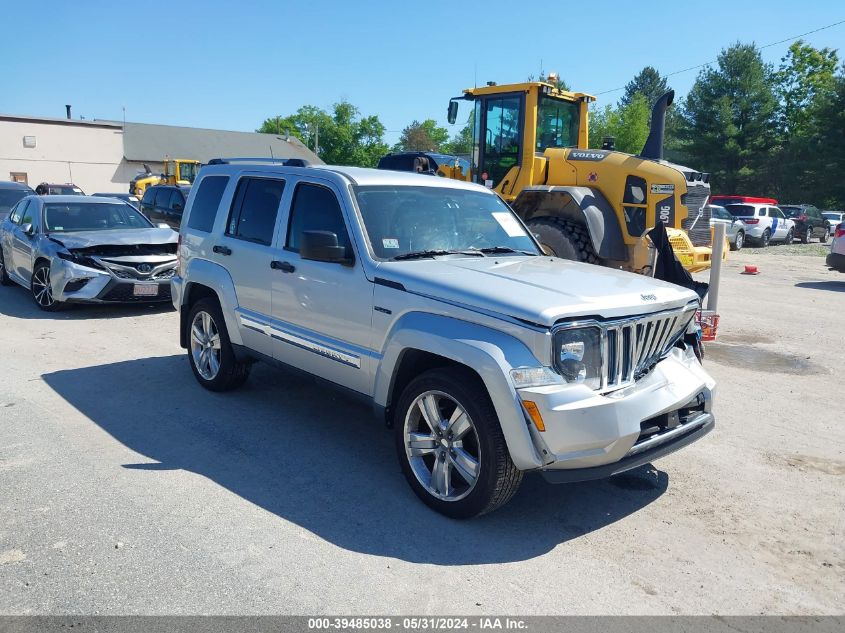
(76, 284)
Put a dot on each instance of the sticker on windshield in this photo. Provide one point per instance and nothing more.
(390, 242)
(509, 223)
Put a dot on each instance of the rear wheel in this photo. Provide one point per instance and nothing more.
(5, 280)
(564, 238)
(826, 235)
(808, 235)
(738, 242)
(42, 289)
(210, 352)
(450, 444)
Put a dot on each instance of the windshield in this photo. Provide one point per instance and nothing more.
(792, 212)
(557, 123)
(188, 171)
(10, 197)
(401, 220)
(836, 217)
(62, 190)
(741, 210)
(92, 216)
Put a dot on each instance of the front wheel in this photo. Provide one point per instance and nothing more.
(5, 280)
(738, 242)
(450, 445)
(826, 235)
(42, 289)
(790, 237)
(767, 235)
(565, 239)
(210, 352)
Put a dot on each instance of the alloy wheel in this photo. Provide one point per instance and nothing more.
(442, 446)
(205, 345)
(809, 236)
(41, 288)
(738, 241)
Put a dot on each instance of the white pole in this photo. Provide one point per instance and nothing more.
(716, 266)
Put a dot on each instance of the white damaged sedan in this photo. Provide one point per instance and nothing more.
(82, 249)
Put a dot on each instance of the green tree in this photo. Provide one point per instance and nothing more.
(461, 143)
(730, 121)
(628, 124)
(825, 148)
(649, 83)
(806, 74)
(422, 137)
(344, 137)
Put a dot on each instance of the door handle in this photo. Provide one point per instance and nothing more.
(285, 267)
(223, 250)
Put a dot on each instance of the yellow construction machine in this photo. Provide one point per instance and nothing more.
(177, 171)
(530, 144)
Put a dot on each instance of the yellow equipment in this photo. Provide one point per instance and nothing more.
(530, 144)
(177, 171)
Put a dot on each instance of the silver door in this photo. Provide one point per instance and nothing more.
(21, 243)
(322, 311)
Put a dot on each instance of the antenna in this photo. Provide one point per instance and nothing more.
(270, 145)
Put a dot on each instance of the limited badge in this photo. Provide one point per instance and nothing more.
(663, 189)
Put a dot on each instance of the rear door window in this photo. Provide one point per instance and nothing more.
(255, 208)
(163, 198)
(206, 202)
(149, 197)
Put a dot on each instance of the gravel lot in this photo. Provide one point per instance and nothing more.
(127, 489)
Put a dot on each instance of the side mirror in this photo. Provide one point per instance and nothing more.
(178, 207)
(322, 246)
(28, 229)
(453, 112)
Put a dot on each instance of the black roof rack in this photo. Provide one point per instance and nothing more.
(287, 162)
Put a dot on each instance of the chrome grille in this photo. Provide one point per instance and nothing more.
(631, 348)
(697, 226)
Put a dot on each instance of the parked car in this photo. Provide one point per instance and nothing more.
(82, 249)
(836, 257)
(734, 227)
(835, 218)
(10, 195)
(67, 189)
(165, 203)
(421, 162)
(128, 198)
(809, 222)
(430, 299)
(762, 220)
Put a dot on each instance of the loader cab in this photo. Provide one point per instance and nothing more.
(512, 123)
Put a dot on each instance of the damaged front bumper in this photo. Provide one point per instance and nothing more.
(76, 283)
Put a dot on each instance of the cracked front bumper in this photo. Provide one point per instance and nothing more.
(589, 435)
(74, 283)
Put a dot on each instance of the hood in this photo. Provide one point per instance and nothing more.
(116, 237)
(541, 289)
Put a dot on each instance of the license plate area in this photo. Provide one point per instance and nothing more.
(145, 290)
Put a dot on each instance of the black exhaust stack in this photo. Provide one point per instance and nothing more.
(67, 109)
(653, 147)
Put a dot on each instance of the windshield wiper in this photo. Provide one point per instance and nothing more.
(491, 250)
(435, 253)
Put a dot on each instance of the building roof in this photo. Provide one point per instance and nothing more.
(144, 142)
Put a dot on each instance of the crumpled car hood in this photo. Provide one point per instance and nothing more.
(541, 289)
(116, 237)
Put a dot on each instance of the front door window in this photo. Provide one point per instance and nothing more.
(500, 138)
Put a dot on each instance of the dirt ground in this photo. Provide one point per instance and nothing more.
(127, 489)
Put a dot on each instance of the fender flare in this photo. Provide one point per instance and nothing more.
(578, 203)
(205, 273)
(488, 352)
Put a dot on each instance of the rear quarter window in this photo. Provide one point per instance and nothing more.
(204, 208)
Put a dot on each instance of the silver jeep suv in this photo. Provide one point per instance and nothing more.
(429, 298)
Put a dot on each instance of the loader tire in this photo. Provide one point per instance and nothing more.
(564, 238)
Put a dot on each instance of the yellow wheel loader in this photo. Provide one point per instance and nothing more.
(179, 171)
(530, 144)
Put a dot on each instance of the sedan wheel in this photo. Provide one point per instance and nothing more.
(205, 345)
(5, 280)
(826, 235)
(42, 290)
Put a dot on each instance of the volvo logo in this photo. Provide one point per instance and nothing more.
(144, 268)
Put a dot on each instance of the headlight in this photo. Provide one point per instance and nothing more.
(577, 355)
(534, 377)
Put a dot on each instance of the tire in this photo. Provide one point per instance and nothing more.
(738, 242)
(764, 240)
(564, 238)
(42, 291)
(790, 237)
(479, 450)
(5, 280)
(210, 351)
(826, 236)
(808, 235)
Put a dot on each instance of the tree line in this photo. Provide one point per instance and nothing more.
(757, 128)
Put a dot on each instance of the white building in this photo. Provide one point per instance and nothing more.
(104, 156)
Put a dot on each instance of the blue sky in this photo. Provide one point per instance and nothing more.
(231, 65)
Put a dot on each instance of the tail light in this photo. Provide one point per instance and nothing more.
(802, 218)
(840, 230)
(752, 221)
